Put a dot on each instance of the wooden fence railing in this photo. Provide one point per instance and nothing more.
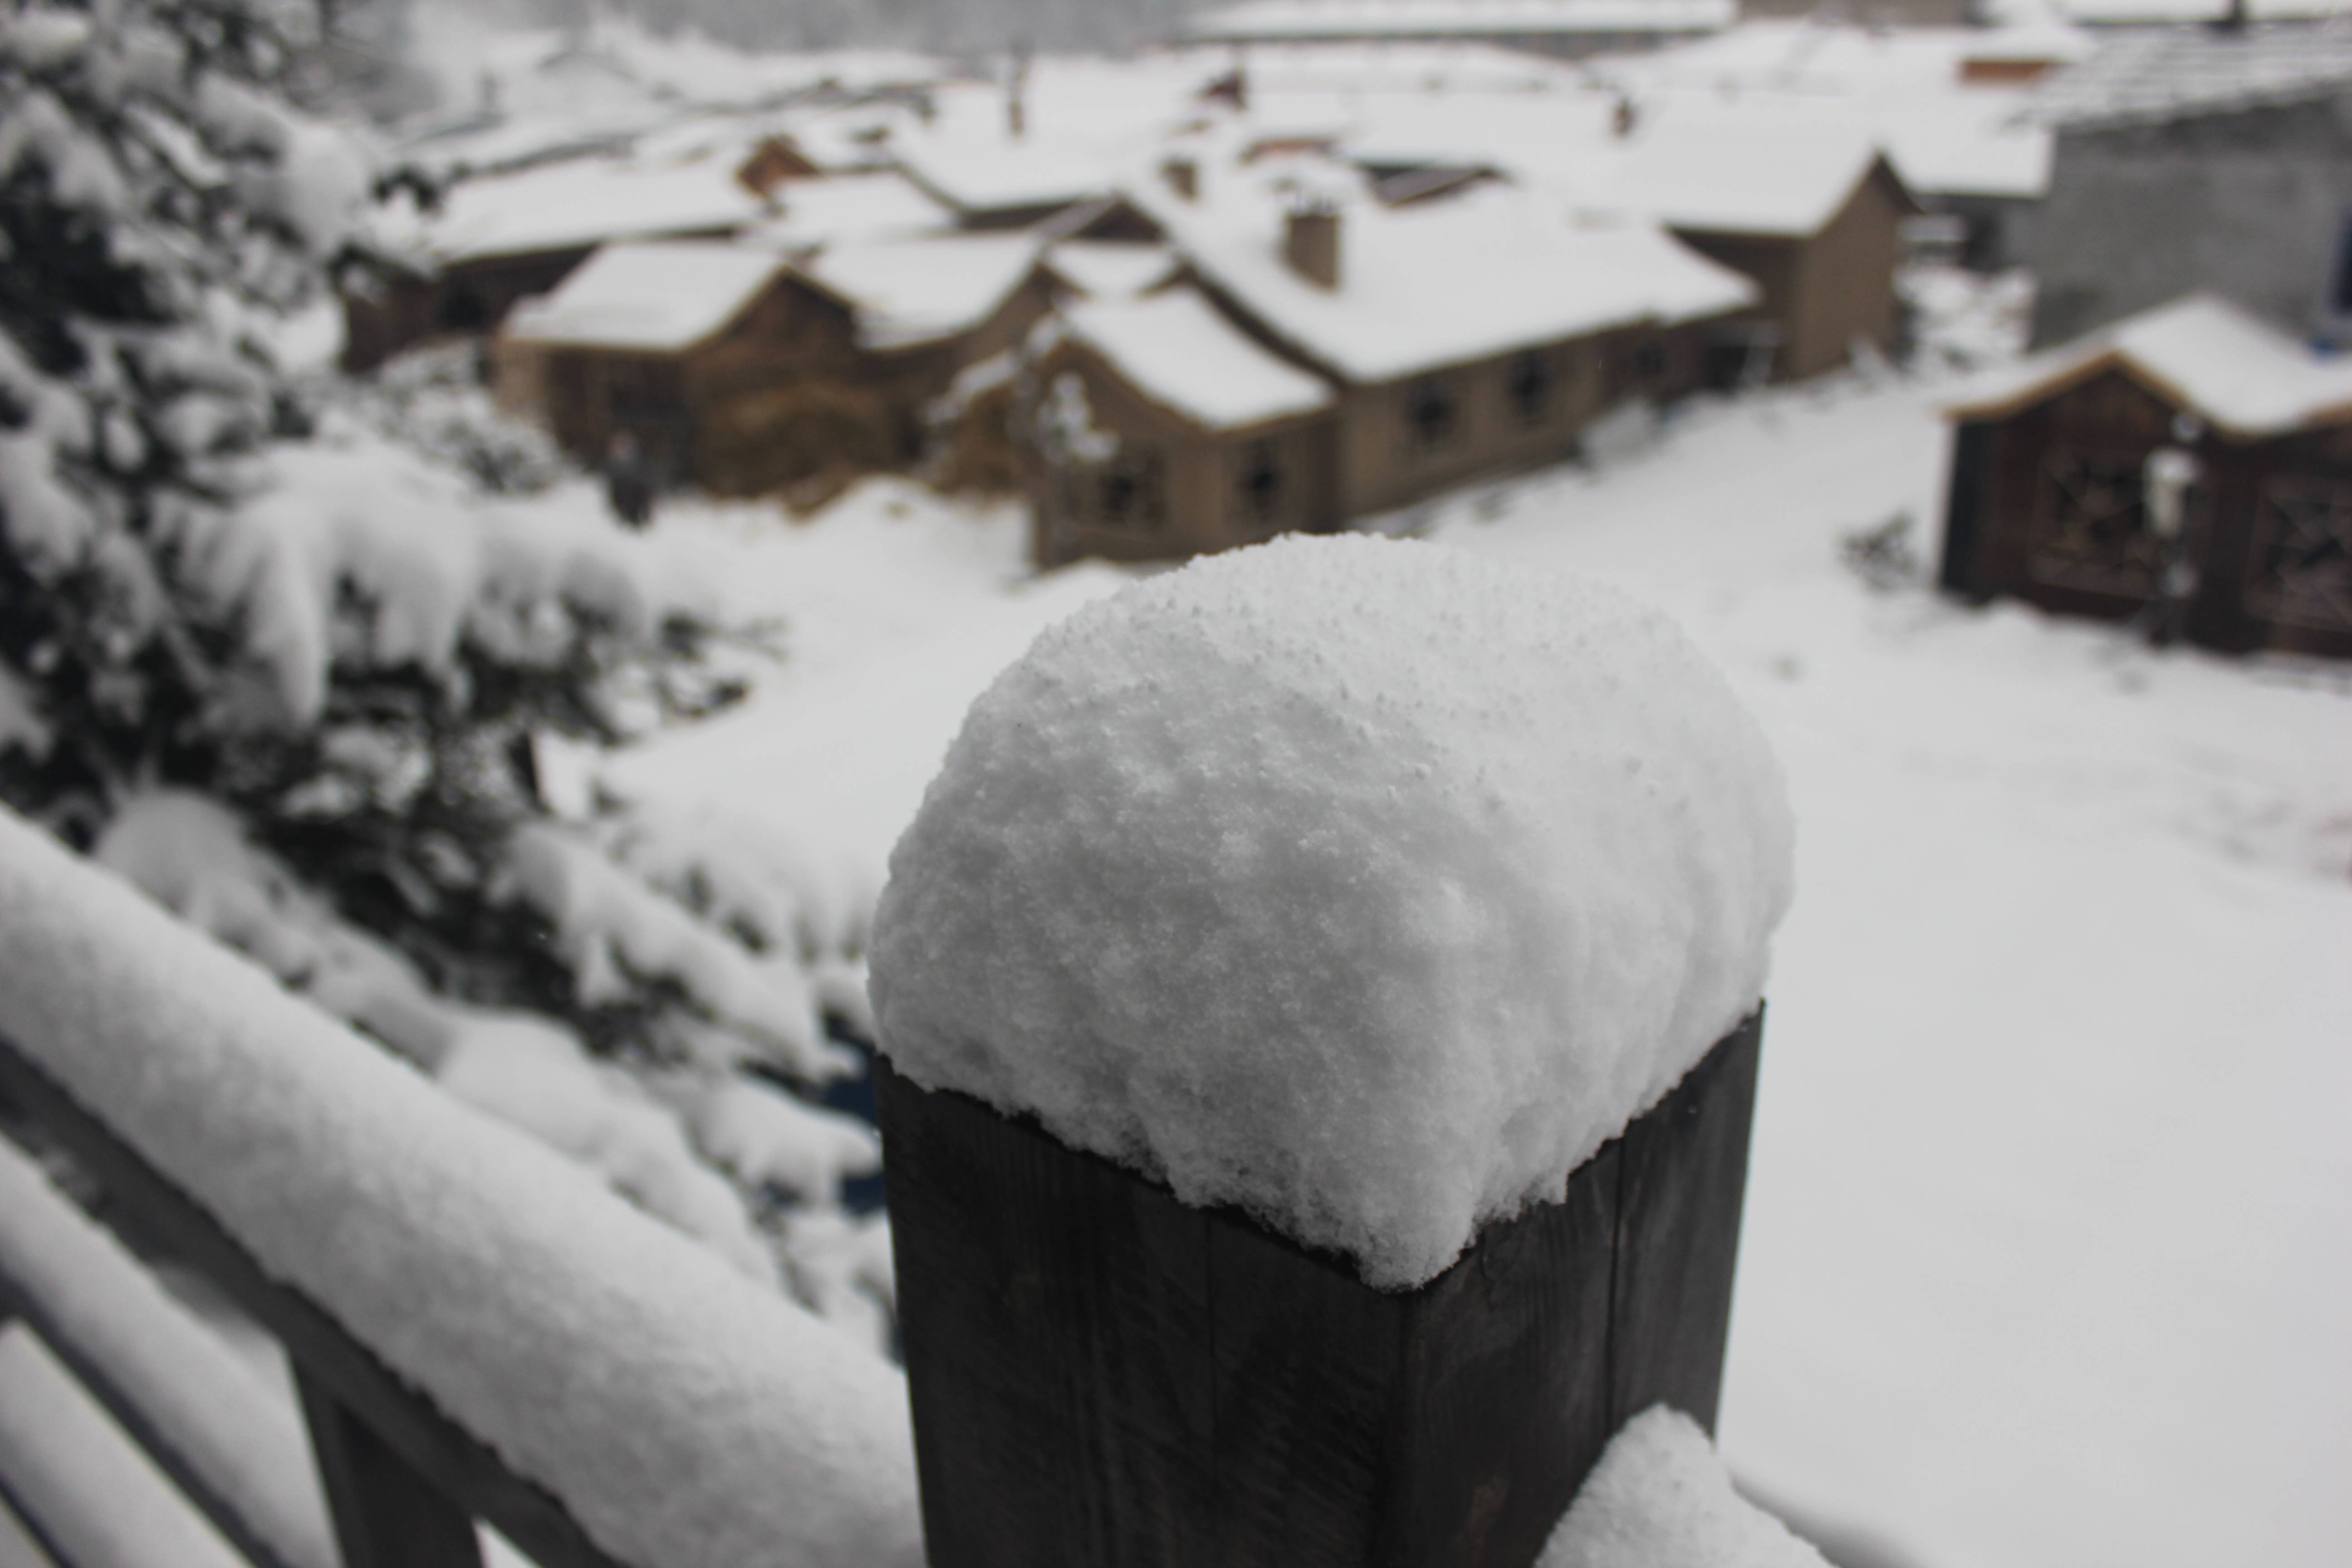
(1100, 1378)
(478, 1331)
(403, 1484)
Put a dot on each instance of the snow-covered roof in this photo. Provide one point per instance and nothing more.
(2237, 372)
(1176, 350)
(2145, 12)
(585, 202)
(1458, 18)
(659, 296)
(986, 174)
(910, 291)
(1105, 270)
(2163, 75)
(865, 205)
(1721, 170)
(1420, 287)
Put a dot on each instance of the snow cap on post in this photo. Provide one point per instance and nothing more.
(1365, 885)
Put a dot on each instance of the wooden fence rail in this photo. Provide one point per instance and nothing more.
(403, 1484)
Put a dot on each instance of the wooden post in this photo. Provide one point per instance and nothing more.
(1104, 1378)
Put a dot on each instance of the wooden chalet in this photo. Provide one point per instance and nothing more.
(1466, 338)
(2057, 471)
(1163, 431)
(499, 240)
(743, 371)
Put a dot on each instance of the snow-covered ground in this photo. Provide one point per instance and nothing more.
(2051, 1216)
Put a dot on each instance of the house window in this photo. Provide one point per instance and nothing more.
(1531, 387)
(1128, 489)
(1432, 414)
(1258, 482)
(1650, 364)
(2302, 569)
(2090, 525)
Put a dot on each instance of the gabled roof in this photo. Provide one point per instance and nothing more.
(1458, 18)
(585, 202)
(2152, 76)
(906, 292)
(1177, 351)
(1103, 269)
(2238, 373)
(842, 207)
(1421, 288)
(658, 297)
(1722, 172)
(979, 175)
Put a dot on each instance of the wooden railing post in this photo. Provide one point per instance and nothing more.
(385, 1514)
(1104, 1378)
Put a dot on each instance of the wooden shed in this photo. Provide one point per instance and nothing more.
(2059, 471)
(1160, 431)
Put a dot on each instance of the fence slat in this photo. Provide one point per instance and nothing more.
(386, 1515)
(168, 1222)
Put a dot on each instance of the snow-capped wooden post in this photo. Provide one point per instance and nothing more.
(1320, 1002)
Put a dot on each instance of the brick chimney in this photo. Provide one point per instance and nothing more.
(1310, 242)
(1183, 177)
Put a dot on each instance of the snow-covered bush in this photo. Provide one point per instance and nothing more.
(291, 663)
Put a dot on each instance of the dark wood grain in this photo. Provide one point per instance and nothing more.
(144, 1203)
(1104, 1378)
(385, 1514)
(1685, 1180)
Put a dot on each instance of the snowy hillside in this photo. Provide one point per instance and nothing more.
(2050, 1212)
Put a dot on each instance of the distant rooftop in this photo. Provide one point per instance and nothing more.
(1299, 19)
(654, 298)
(2188, 71)
(1176, 350)
(2237, 372)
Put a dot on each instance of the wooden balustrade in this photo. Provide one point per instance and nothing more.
(402, 1482)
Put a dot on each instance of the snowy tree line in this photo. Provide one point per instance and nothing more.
(279, 651)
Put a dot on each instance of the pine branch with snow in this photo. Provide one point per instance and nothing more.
(289, 662)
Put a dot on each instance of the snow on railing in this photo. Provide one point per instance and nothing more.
(477, 1327)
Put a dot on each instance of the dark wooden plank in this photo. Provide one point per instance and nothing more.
(1508, 1383)
(1053, 1313)
(144, 1203)
(1102, 1378)
(250, 1544)
(385, 1514)
(1684, 1180)
(1309, 1395)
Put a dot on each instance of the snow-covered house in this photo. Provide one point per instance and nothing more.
(2191, 466)
(502, 238)
(1163, 430)
(1464, 338)
(2193, 159)
(744, 369)
(1807, 205)
(1566, 30)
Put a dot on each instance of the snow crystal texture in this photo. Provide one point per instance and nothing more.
(1660, 1498)
(1365, 885)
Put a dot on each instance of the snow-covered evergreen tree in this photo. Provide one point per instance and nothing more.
(295, 677)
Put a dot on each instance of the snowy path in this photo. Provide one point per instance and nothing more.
(2050, 1219)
